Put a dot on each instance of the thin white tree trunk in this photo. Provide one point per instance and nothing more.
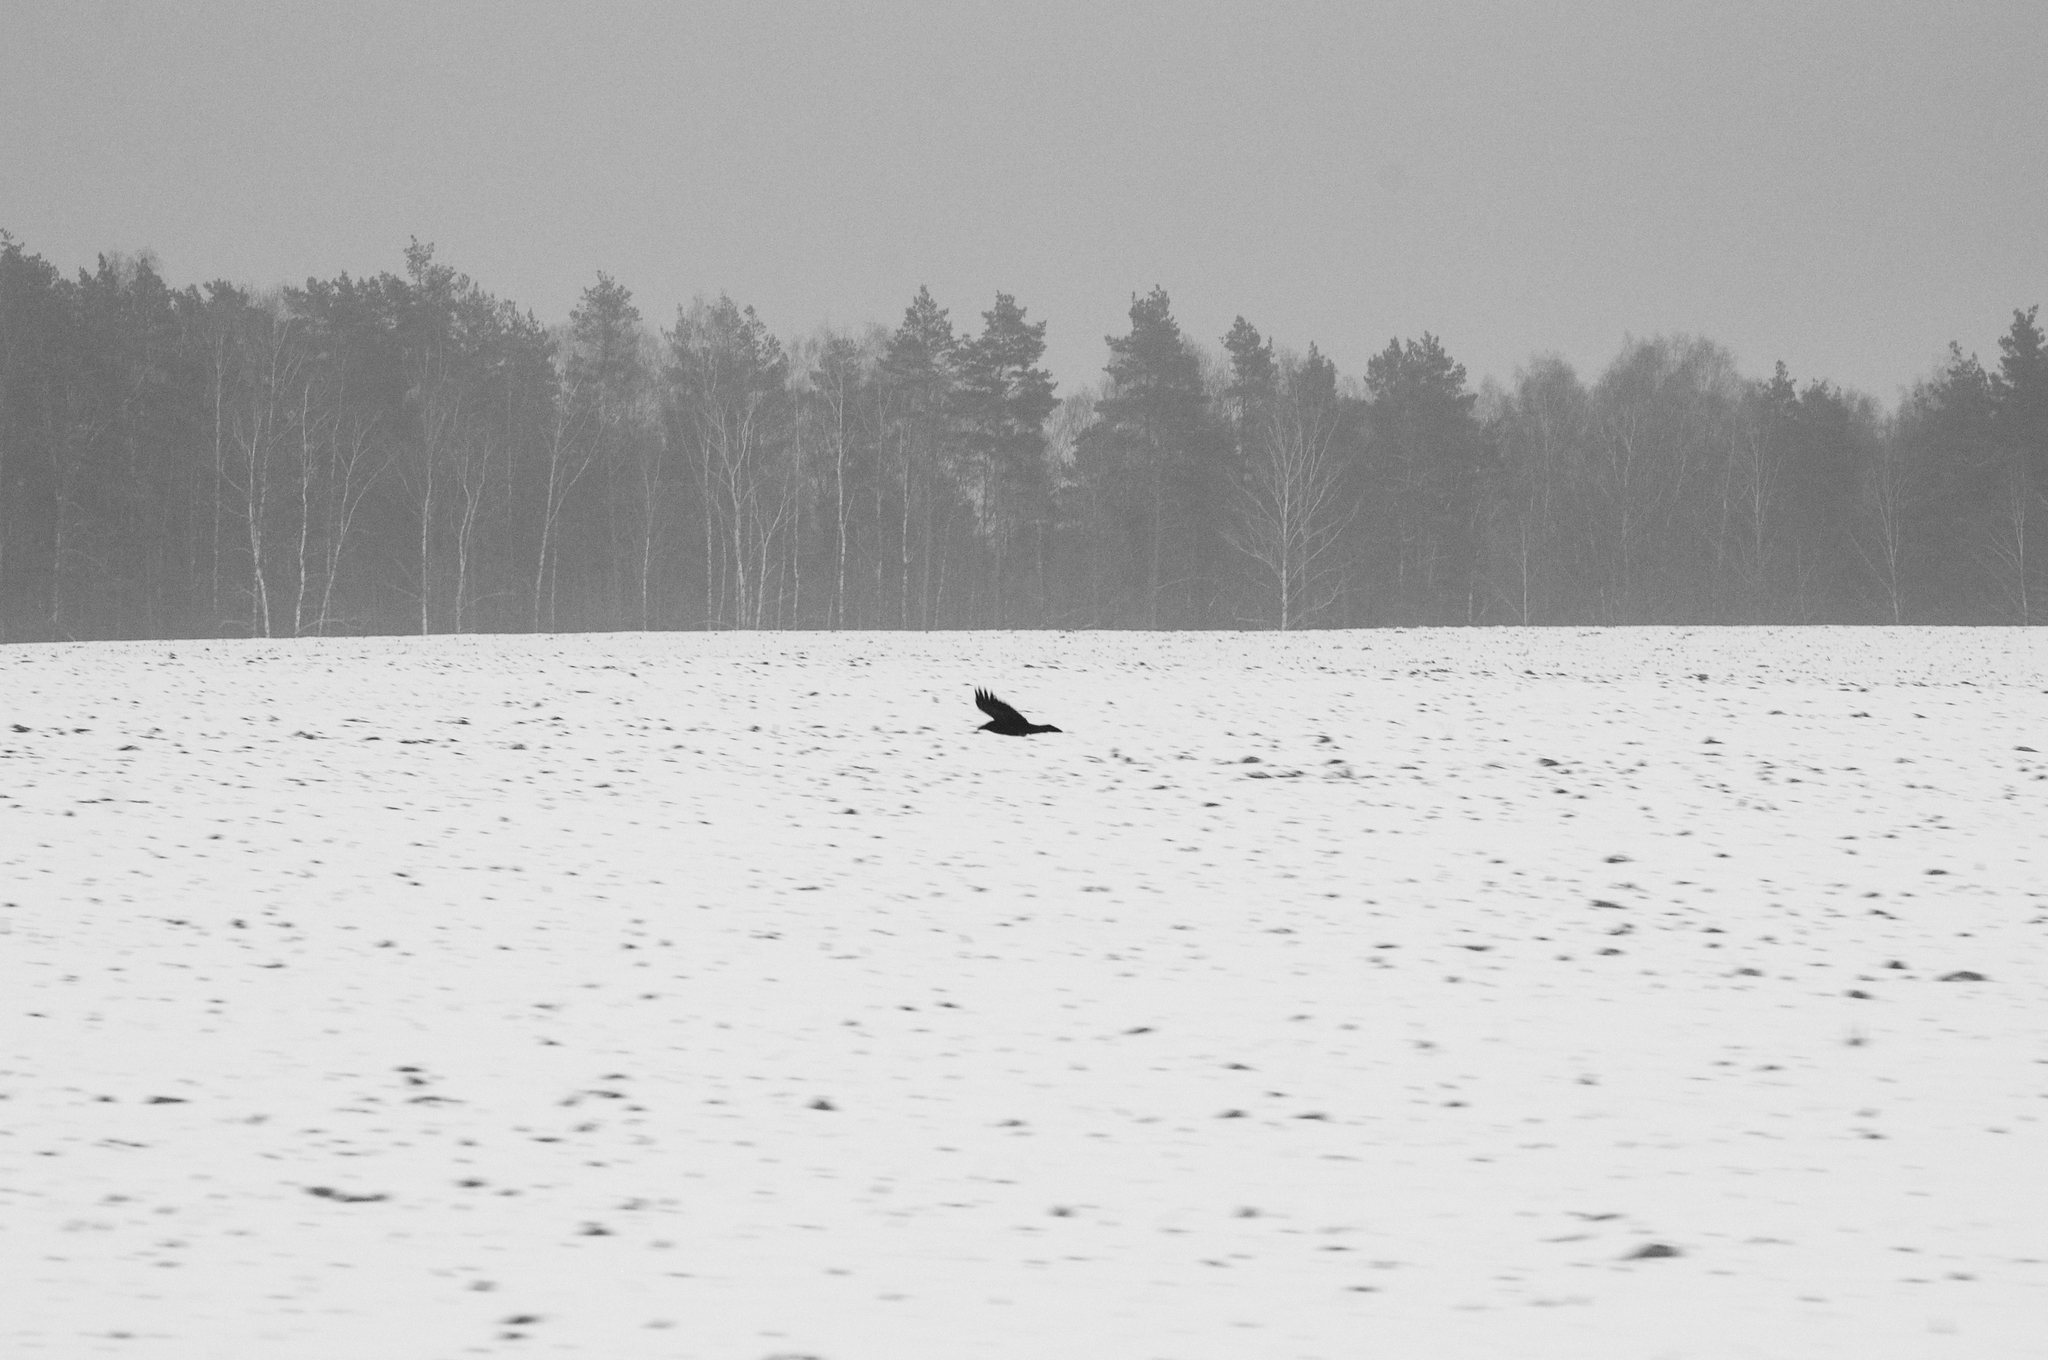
(426, 540)
(305, 507)
(254, 497)
(838, 612)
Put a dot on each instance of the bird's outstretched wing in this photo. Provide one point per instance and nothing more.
(997, 709)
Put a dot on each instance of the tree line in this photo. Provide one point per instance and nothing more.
(409, 453)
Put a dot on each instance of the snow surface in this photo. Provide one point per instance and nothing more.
(731, 996)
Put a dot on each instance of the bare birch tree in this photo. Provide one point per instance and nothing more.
(1290, 518)
(728, 379)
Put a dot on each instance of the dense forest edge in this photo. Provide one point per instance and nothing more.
(411, 454)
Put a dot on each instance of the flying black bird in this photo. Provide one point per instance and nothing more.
(1005, 719)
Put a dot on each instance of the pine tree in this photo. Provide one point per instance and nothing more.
(1950, 424)
(1150, 427)
(607, 377)
(2019, 395)
(1252, 375)
(918, 371)
(1426, 449)
(1002, 401)
(1815, 435)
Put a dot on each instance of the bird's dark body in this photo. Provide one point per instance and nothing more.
(1006, 720)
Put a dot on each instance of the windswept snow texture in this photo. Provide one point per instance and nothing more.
(1478, 993)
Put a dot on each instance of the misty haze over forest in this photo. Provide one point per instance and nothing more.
(411, 453)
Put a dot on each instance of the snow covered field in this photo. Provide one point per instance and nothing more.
(1334, 995)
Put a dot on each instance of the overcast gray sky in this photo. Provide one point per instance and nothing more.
(1846, 186)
